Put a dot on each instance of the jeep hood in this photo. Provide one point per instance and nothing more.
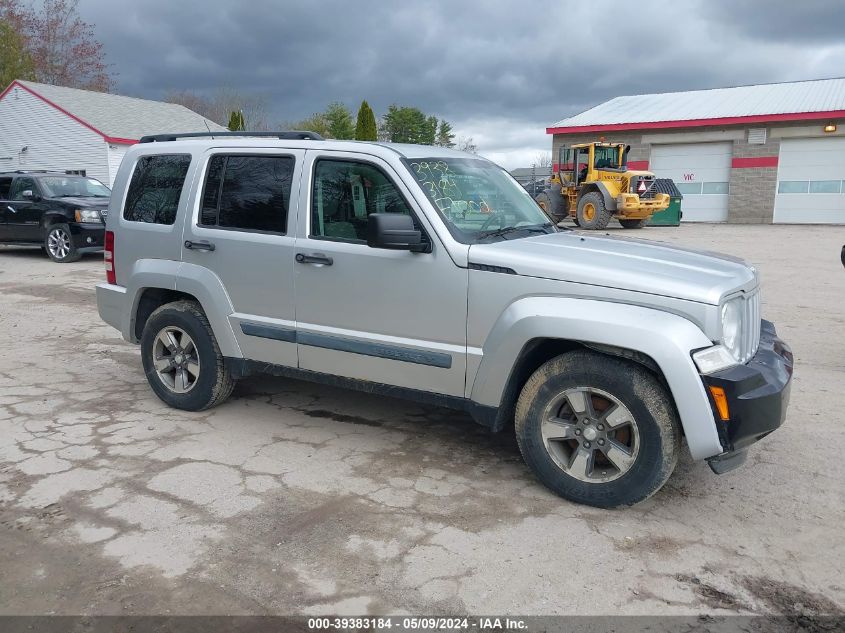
(621, 262)
(82, 202)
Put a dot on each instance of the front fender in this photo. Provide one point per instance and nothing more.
(609, 201)
(666, 338)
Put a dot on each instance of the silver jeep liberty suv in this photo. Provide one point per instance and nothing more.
(427, 273)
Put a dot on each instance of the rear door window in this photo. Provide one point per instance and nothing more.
(156, 187)
(248, 193)
(5, 187)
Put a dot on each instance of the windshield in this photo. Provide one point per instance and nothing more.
(480, 201)
(607, 157)
(73, 186)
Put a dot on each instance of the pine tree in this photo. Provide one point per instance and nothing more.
(339, 121)
(366, 129)
(236, 121)
(445, 135)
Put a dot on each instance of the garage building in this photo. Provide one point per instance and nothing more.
(79, 131)
(772, 153)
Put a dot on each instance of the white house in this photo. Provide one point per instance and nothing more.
(79, 131)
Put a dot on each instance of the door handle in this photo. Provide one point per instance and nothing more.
(316, 258)
(199, 246)
(12, 209)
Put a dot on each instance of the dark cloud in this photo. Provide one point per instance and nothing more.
(497, 69)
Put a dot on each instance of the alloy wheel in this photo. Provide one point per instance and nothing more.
(590, 435)
(58, 243)
(176, 360)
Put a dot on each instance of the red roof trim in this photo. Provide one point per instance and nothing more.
(732, 120)
(756, 161)
(106, 137)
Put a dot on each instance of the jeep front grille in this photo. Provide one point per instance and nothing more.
(750, 325)
(636, 187)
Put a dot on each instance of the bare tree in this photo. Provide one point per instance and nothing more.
(467, 144)
(222, 103)
(543, 160)
(63, 48)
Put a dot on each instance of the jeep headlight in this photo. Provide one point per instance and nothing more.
(731, 312)
(728, 352)
(87, 215)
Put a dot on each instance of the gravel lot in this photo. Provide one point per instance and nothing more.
(293, 498)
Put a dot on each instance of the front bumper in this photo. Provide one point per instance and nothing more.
(635, 207)
(757, 395)
(87, 237)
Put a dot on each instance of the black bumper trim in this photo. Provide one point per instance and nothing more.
(757, 393)
(87, 237)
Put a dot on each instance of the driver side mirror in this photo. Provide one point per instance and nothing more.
(28, 194)
(394, 231)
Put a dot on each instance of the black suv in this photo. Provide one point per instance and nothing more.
(63, 213)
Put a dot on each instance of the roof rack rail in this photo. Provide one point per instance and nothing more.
(285, 136)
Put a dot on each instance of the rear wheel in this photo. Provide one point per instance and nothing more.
(592, 213)
(632, 224)
(552, 204)
(59, 244)
(597, 430)
(182, 360)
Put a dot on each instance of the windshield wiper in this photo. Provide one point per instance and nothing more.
(532, 228)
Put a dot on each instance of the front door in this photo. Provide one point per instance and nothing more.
(24, 210)
(386, 316)
(241, 229)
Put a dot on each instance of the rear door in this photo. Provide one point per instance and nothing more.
(242, 228)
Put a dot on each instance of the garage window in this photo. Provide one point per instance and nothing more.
(687, 188)
(825, 186)
(793, 186)
(715, 187)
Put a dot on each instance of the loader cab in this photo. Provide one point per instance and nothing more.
(578, 163)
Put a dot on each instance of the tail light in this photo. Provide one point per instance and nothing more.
(108, 257)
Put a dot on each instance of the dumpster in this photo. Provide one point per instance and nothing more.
(671, 216)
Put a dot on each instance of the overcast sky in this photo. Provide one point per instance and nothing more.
(500, 71)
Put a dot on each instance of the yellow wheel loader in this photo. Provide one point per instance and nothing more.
(593, 184)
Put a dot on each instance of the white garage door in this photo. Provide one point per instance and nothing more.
(811, 172)
(702, 172)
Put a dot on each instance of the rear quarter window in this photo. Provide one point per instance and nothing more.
(155, 188)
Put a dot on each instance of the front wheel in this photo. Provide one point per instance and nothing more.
(592, 212)
(597, 430)
(182, 360)
(632, 224)
(59, 246)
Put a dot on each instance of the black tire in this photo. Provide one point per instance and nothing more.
(601, 215)
(632, 224)
(214, 382)
(58, 244)
(552, 203)
(657, 436)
